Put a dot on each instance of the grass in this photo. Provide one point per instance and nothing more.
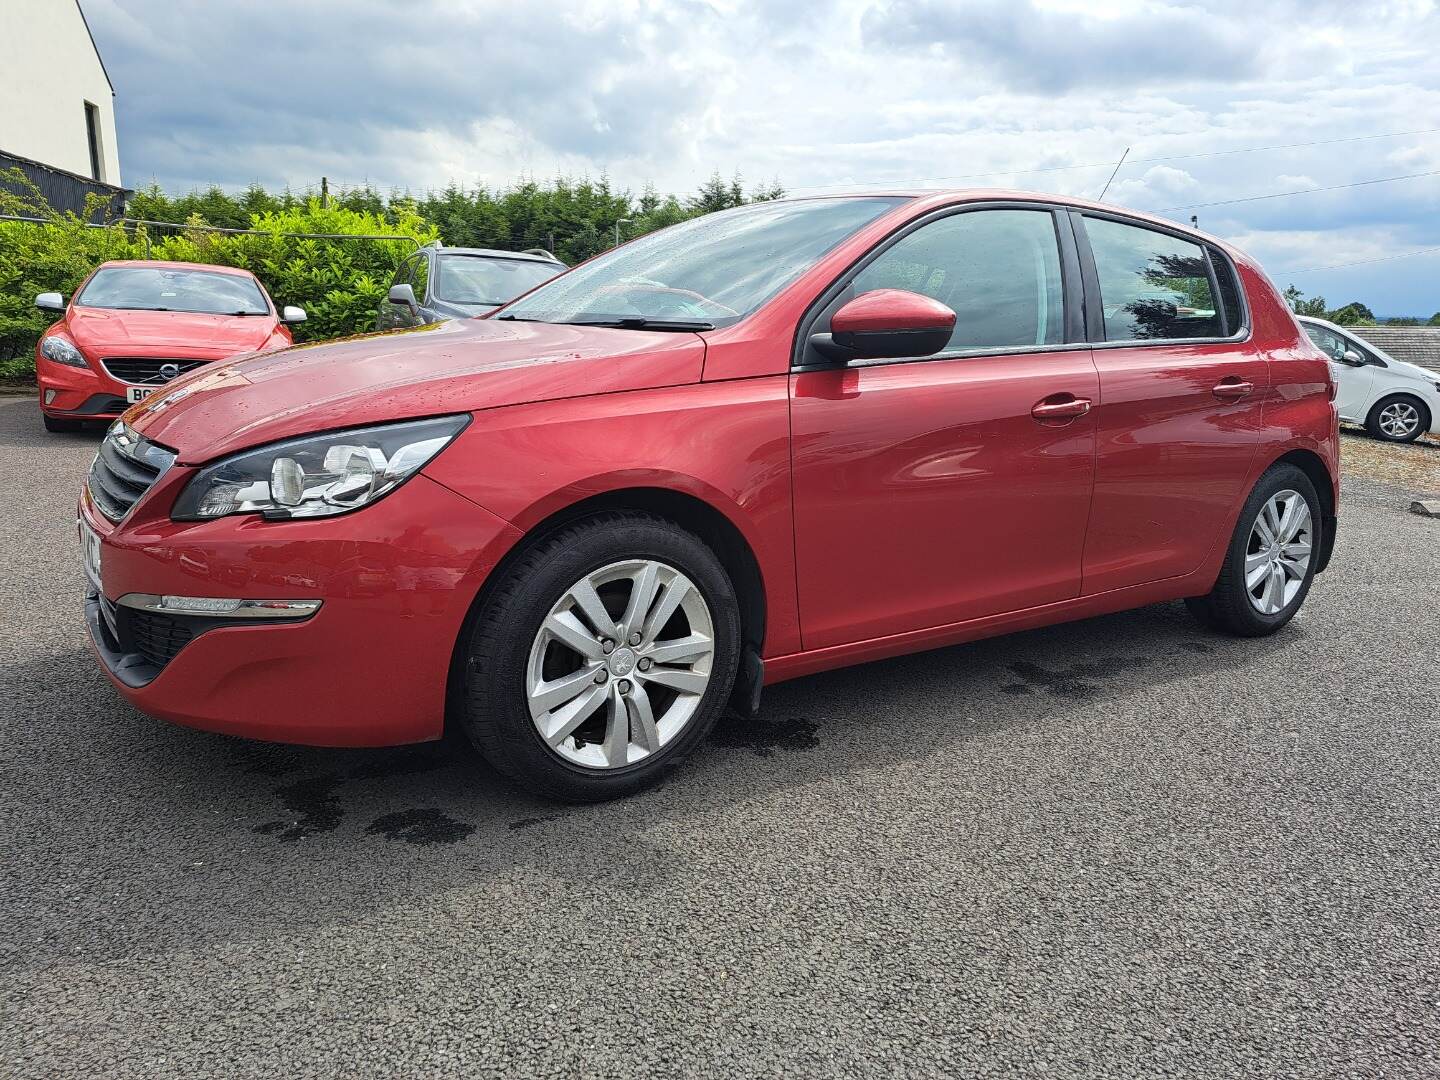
(1415, 466)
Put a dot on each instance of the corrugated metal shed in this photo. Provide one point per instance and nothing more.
(1412, 344)
(64, 191)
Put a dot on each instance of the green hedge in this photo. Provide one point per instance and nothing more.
(340, 283)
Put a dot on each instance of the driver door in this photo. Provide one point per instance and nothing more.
(1354, 381)
(926, 490)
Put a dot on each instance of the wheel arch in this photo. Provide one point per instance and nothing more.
(685, 509)
(1314, 467)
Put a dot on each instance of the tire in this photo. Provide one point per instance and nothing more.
(55, 425)
(509, 650)
(1399, 418)
(1262, 607)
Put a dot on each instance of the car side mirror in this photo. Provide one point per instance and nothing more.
(1353, 358)
(50, 301)
(885, 324)
(292, 314)
(404, 294)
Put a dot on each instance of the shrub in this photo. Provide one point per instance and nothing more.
(340, 283)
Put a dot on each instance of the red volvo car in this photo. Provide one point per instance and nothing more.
(133, 326)
(763, 443)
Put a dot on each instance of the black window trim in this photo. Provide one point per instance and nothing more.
(1072, 294)
(1095, 315)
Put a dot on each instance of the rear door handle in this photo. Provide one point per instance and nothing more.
(1232, 389)
(1067, 409)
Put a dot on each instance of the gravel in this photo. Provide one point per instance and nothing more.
(1121, 847)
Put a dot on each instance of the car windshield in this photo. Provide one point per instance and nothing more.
(709, 271)
(477, 279)
(157, 288)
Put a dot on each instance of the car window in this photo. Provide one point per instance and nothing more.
(1153, 286)
(1229, 292)
(717, 268)
(998, 270)
(1328, 342)
(160, 288)
(476, 279)
(420, 277)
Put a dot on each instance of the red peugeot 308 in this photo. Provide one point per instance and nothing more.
(774, 440)
(134, 326)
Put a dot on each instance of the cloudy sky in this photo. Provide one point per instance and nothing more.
(824, 96)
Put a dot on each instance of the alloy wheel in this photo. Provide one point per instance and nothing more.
(1277, 557)
(1399, 419)
(620, 664)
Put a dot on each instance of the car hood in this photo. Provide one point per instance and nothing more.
(1412, 371)
(103, 330)
(450, 367)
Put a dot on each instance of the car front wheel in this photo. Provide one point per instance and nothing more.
(1398, 418)
(1271, 559)
(601, 657)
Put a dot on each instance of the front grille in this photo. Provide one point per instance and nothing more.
(148, 370)
(124, 469)
(157, 637)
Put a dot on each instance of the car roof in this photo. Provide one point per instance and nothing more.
(493, 253)
(162, 264)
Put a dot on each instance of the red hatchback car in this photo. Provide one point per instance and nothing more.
(763, 443)
(134, 326)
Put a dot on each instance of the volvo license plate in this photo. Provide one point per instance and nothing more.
(138, 393)
(90, 557)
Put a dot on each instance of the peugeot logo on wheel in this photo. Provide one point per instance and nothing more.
(169, 371)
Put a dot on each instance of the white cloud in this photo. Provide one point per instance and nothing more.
(839, 92)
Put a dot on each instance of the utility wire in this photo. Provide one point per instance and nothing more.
(1133, 161)
(1362, 262)
(1302, 191)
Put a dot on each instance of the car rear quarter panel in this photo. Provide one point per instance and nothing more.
(726, 444)
(1299, 410)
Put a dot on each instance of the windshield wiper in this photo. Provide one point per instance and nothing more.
(639, 322)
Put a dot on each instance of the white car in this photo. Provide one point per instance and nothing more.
(1396, 401)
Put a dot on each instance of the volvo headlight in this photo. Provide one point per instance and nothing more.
(318, 475)
(62, 350)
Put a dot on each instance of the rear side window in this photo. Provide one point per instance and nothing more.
(1229, 292)
(998, 270)
(1153, 286)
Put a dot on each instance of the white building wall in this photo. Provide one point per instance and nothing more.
(48, 70)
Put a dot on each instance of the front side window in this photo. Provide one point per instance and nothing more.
(156, 288)
(1153, 286)
(998, 270)
(476, 279)
(710, 271)
(1328, 342)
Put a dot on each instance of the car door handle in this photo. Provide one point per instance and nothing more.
(1067, 409)
(1232, 389)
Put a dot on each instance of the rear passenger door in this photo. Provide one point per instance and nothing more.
(1181, 395)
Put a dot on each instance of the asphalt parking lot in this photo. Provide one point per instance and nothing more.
(1115, 848)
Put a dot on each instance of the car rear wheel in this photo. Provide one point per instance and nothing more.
(1398, 418)
(1271, 559)
(601, 658)
(53, 424)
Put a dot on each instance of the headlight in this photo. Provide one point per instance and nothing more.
(62, 350)
(317, 476)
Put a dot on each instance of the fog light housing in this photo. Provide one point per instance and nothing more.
(50, 397)
(221, 607)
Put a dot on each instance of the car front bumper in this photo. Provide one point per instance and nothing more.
(370, 667)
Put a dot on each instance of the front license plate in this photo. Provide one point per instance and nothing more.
(138, 393)
(90, 557)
